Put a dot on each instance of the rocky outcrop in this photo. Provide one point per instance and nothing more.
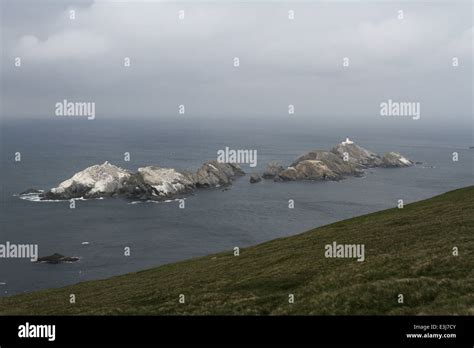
(254, 178)
(135, 187)
(334, 163)
(345, 159)
(288, 174)
(394, 159)
(93, 182)
(357, 155)
(308, 170)
(314, 170)
(272, 170)
(166, 182)
(157, 183)
(57, 258)
(148, 183)
(215, 174)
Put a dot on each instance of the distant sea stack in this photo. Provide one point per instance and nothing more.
(345, 159)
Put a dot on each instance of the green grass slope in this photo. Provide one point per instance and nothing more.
(408, 251)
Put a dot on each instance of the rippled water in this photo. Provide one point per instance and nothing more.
(214, 220)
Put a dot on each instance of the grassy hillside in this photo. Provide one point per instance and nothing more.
(407, 251)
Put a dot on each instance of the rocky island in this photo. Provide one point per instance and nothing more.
(148, 183)
(158, 184)
(345, 159)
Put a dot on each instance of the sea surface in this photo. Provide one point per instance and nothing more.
(214, 220)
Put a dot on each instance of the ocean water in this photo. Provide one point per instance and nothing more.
(213, 220)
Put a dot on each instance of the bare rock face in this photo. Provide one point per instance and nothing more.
(148, 183)
(93, 182)
(156, 183)
(394, 159)
(288, 174)
(308, 170)
(335, 163)
(214, 174)
(357, 154)
(134, 187)
(166, 182)
(315, 170)
(345, 159)
(272, 170)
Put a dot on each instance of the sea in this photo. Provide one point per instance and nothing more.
(214, 220)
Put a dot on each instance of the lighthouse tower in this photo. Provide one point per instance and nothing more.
(347, 142)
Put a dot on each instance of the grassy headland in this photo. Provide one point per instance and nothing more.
(408, 251)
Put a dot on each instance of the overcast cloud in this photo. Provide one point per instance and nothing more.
(282, 61)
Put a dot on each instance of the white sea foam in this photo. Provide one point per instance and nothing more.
(157, 202)
(35, 197)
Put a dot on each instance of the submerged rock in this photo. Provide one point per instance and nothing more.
(57, 258)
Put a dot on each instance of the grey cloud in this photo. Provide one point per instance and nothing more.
(282, 62)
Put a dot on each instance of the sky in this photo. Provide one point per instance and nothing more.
(282, 61)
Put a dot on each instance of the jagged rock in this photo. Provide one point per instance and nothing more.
(149, 183)
(345, 159)
(213, 174)
(156, 183)
(288, 174)
(335, 163)
(315, 170)
(166, 182)
(93, 182)
(272, 170)
(57, 258)
(255, 177)
(135, 187)
(308, 170)
(394, 159)
(357, 154)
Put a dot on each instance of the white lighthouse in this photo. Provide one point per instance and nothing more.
(347, 142)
